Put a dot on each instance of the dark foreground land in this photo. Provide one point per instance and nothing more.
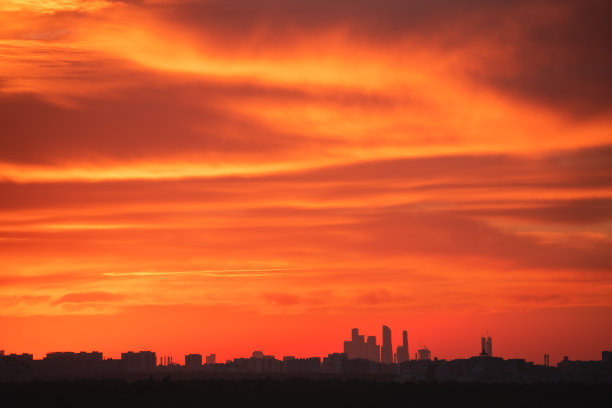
(297, 393)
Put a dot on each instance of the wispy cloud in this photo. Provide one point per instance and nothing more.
(218, 273)
(304, 164)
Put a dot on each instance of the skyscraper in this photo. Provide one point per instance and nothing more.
(355, 335)
(386, 353)
(356, 347)
(402, 351)
(373, 349)
(486, 344)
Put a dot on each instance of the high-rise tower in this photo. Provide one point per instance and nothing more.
(402, 351)
(373, 349)
(356, 347)
(486, 344)
(386, 352)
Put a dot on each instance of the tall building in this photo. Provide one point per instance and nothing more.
(486, 344)
(386, 352)
(356, 347)
(402, 351)
(355, 336)
(424, 354)
(193, 360)
(211, 359)
(140, 361)
(373, 349)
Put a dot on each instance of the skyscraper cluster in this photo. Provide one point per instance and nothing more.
(486, 346)
(359, 357)
(358, 348)
(402, 351)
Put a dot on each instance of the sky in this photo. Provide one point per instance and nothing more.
(227, 176)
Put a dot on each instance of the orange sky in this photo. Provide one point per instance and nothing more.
(223, 176)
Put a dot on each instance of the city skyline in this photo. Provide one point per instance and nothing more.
(357, 347)
(357, 359)
(228, 175)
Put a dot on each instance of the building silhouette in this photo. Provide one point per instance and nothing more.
(486, 344)
(480, 369)
(373, 349)
(71, 362)
(402, 351)
(193, 360)
(211, 359)
(386, 351)
(292, 365)
(424, 354)
(166, 361)
(334, 363)
(139, 361)
(356, 347)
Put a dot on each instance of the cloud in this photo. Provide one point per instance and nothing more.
(545, 299)
(282, 299)
(376, 298)
(548, 52)
(587, 211)
(183, 164)
(448, 207)
(100, 97)
(143, 126)
(49, 280)
(89, 297)
(559, 58)
(558, 187)
(52, 6)
(435, 233)
(219, 273)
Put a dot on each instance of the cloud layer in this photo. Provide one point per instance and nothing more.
(305, 164)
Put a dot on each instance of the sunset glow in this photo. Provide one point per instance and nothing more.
(225, 176)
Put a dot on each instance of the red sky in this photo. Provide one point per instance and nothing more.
(224, 176)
